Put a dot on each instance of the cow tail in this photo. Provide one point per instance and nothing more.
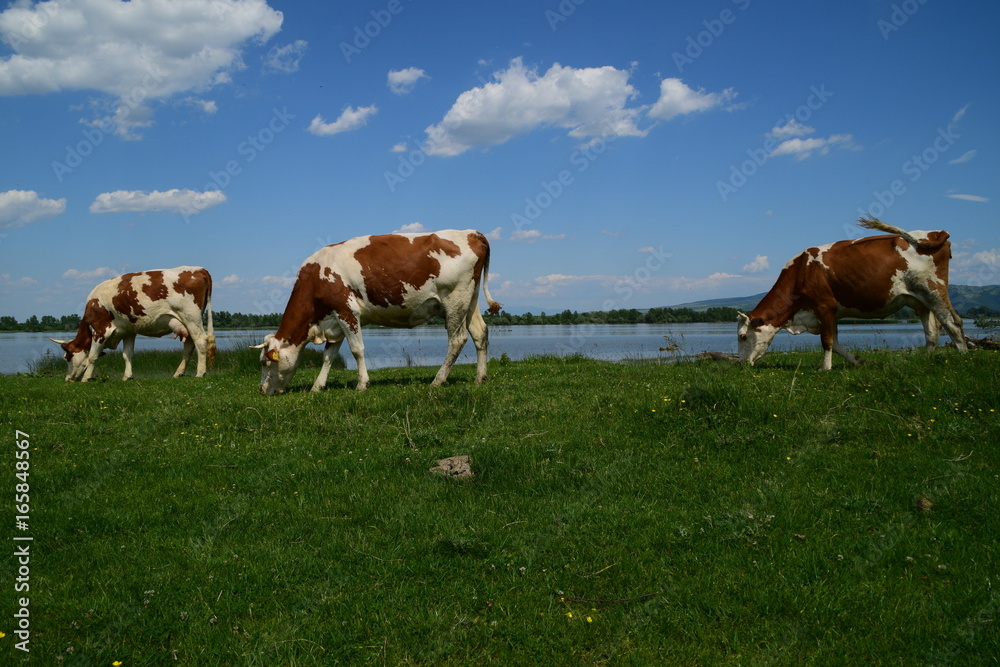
(874, 223)
(494, 307)
(212, 349)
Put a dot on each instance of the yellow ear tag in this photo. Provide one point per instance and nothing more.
(272, 355)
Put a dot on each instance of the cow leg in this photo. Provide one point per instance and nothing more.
(357, 345)
(481, 338)
(828, 339)
(329, 352)
(185, 355)
(953, 325)
(200, 339)
(128, 351)
(96, 347)
(844, 352)
(932, 328)
(457, 335)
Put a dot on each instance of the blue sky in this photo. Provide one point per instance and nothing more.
(618, 155)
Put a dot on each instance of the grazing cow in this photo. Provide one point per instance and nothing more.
(151, 303)
(870, 277)
(395, 280)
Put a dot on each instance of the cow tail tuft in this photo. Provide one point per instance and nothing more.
(494, 307)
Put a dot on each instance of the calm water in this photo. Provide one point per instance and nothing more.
(426, 346)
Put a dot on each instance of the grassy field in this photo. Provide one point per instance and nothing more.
(627, 514)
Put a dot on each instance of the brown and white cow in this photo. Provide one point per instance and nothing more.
(870, 277)
(151, 303)
(394, 280)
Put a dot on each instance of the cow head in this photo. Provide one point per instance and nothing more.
(278, 362)
(754, 337)
(77, 359)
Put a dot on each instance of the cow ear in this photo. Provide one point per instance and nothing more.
(273, 355)
(757, 322)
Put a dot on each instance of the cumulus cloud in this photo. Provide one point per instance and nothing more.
(103, 272)
(285, 59)
(677, 99)
(350, 119)
(975, 198)
(588, 102)
(171, 201)
(403, 81)
(21, 207)
(495, 235)
(412, 228)
(758, 265)
(792, 142)
(133, 51)
(398, 148)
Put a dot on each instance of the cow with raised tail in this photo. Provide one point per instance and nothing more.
(393, 280)
(150, 303)
(871, 277)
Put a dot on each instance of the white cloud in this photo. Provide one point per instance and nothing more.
(21, 207)
(676, 99)
(350, 119)
(171, 201)
(959, 114)
(232, 279)
(101, 273)
(793, 128)
(398, 148)
(758, 265)
(133, 51)
(281, 281)
(403, 81)
(285, 59)
(207, 106)
(589, 102)
(412, 228)
(975, 198)
(964, 157)
(529, 235)
(495, 235)
(803, 148)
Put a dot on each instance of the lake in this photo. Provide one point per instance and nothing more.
(426, 346)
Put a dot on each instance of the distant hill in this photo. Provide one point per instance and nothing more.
(963, 297)
(744, 303)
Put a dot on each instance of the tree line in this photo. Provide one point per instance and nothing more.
(224, 319)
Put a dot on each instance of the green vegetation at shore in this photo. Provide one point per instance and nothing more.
(643, 513)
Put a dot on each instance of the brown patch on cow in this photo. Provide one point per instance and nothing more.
(156, 290)
(197, 283)
(313, 298)
(126, 299)
(391, 262)
(481, 249)
(95, 323)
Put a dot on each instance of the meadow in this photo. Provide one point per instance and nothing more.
(695, 513)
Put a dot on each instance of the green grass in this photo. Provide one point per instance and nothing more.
(626, 514)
